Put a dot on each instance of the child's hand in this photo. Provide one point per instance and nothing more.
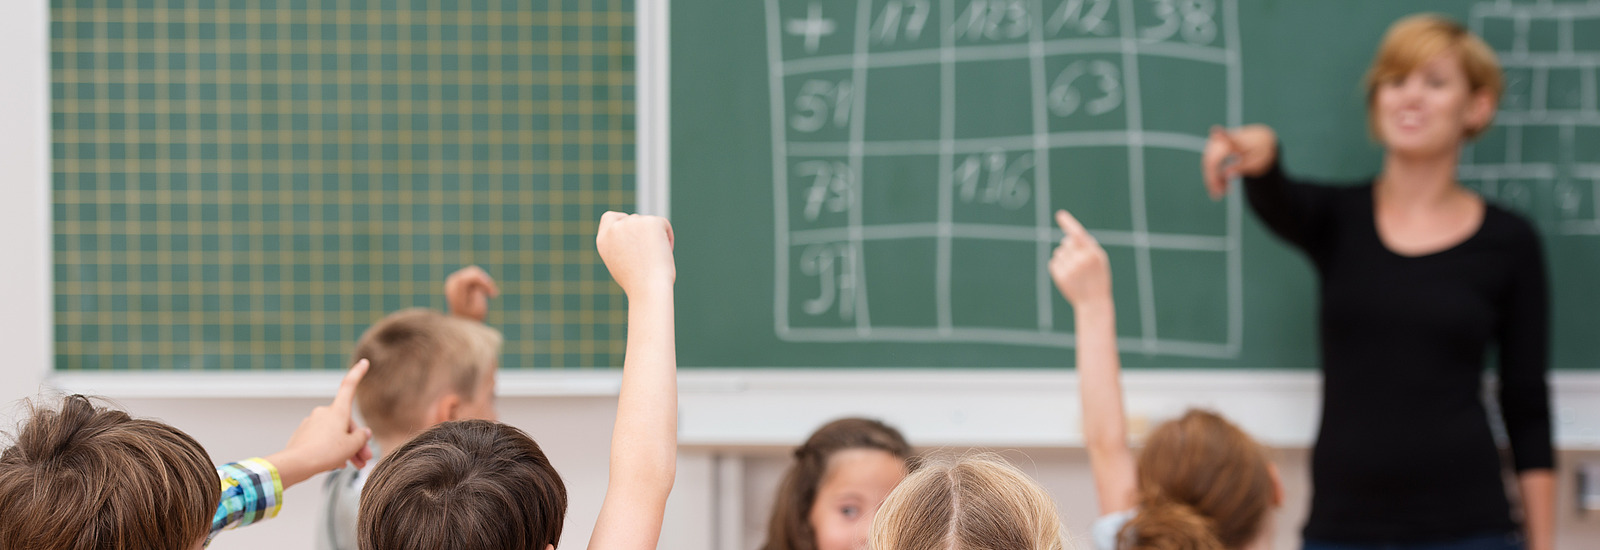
(468, 291)
(637, 250)
(327, 438)
(1079, 266)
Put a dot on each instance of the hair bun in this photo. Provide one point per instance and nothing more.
(1164, 524)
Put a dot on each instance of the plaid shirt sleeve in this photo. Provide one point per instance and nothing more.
(251, 492)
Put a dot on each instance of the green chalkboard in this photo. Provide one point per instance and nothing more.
(247, 185)
(868, 183)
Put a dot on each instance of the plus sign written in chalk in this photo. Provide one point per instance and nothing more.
(813, 27)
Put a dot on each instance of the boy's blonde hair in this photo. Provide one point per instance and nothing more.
(1413, 41)
(973, 502)
(417, 355)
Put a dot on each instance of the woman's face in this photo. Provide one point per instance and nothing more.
(853, 488)
(1431, 109)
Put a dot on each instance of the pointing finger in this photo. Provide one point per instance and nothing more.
(347, 387)
(1069, 225)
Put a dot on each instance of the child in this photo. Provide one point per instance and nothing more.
(435, 492)
(1200, 483)
(427, 368)
(87, 476)
(972, 502)
(838, 481)
(487, 486)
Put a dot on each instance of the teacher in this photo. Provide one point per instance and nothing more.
(1420, 279)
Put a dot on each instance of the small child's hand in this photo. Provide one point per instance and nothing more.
(468, 291)
(637, 249)
(1079, 266)
(327, 438)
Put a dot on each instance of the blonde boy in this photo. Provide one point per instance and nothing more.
(476, 485)
(427, 368)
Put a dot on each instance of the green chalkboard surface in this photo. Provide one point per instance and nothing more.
(246, 185)
(868, 183)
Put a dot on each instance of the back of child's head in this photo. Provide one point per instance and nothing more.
(972, 503)
(417, 355)
(466, 485)
(790, 527)
(91, 478)
(1204, 484)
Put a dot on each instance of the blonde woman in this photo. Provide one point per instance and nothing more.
(1420, 277)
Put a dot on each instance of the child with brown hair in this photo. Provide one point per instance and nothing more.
(1200, 483)
(427, 368)
(86, 476)
(487, 486)
(838, 481)
(465, 480)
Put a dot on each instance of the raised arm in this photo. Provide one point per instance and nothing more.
(252, 490)
(1248, 151)
(1082, 274)
(468, 291)
(327, 438)
(1298, 212)
(644, 443)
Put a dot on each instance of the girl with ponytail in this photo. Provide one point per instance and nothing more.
(1200, 483)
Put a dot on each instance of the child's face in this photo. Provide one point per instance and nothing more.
(853, 488)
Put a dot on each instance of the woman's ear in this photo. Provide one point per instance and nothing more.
(1480, 110)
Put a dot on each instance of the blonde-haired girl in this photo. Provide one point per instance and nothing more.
(974, 502)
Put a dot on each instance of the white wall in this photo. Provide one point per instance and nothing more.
(25, 338)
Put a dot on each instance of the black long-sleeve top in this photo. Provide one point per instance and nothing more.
(1405, 452)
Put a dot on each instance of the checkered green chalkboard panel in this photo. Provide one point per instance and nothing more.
(248, 184)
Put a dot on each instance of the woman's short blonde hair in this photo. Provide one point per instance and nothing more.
(1417, 39)
(972, 502)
